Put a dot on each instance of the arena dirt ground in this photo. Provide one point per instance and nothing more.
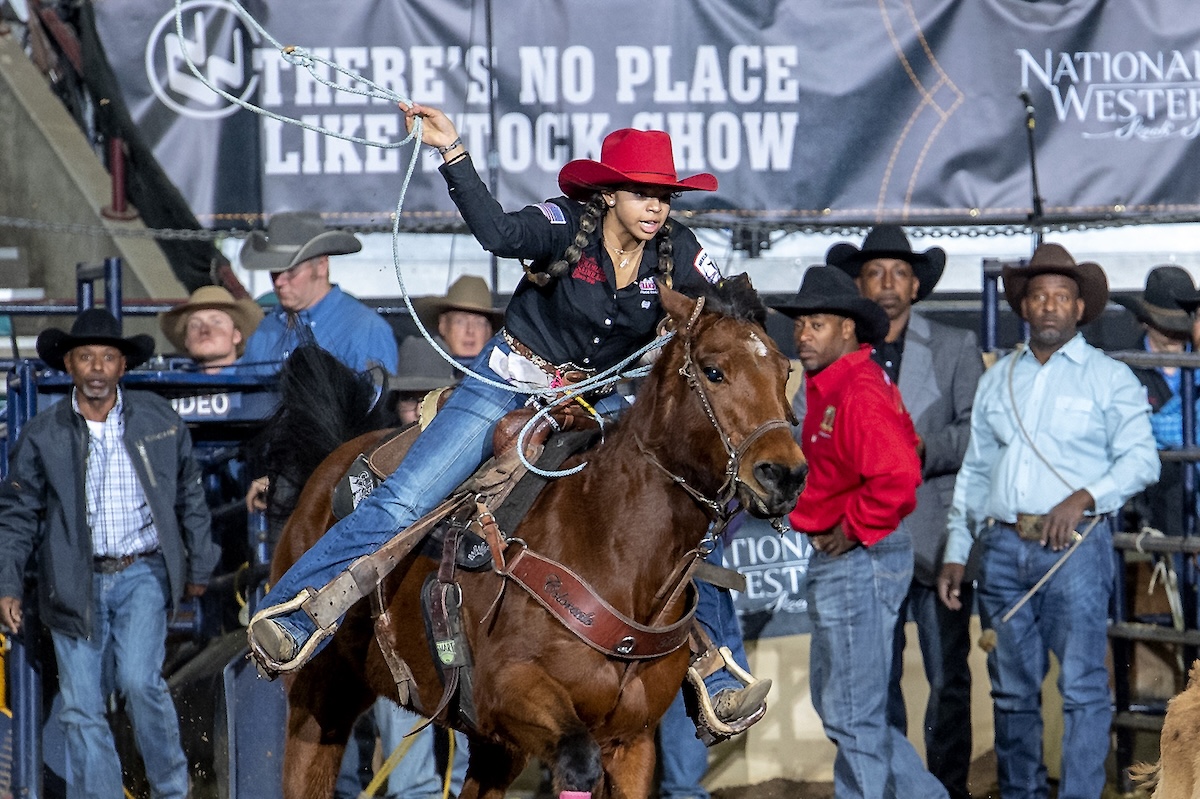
(981, 783)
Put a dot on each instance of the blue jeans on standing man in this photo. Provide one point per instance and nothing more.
(684, 757)
(130, 625)
(417, 775)
(1069, 617)
(854, 600)
(945, 639)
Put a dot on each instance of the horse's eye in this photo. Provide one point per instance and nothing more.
(713, 374)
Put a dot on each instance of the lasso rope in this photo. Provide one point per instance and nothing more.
(357, 84)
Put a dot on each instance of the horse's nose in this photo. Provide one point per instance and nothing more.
(781, 479)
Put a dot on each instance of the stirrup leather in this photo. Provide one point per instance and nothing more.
(709, 727)
(267, 665)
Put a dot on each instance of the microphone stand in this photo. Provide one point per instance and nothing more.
(1035, 218)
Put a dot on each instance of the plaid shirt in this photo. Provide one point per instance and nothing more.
(117, 512)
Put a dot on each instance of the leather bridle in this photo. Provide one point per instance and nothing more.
(719, 506)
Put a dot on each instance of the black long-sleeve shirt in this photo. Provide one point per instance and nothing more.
(580, 318)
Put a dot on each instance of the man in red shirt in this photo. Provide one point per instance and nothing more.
(863, 476)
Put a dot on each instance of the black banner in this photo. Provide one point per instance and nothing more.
(809, 112)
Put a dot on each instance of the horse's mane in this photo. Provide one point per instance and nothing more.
(735, 297)
(322, 404)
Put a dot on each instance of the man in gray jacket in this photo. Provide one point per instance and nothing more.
(937, 369)
(104, 493)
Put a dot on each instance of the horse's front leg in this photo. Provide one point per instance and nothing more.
(490, 770)
(323, 705)
(629, 769)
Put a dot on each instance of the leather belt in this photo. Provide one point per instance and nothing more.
(567, 373)
(560, 374)
(1028, 526)
(104, 564)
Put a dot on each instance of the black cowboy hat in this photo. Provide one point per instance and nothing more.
(1054, 259)
(1158, 306)
(292, 237)
(826, 289)
(1189, 301)
(889, 241)
(93, 326)
(420, 369)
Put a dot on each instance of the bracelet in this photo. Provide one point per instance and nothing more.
(457, 158)
(456, 143)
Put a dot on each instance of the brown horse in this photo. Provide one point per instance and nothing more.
(710, 422)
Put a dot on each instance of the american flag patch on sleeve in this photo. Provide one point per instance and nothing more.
(552, 212)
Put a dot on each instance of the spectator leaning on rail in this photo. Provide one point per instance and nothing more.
(211, 327)
(862, 481)
(103, 491)
(937, 370)
(1167, 330)
(295, 249)
(1060, 438)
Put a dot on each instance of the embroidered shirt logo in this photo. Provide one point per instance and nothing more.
(706, 266)
(588, 270)
(647, 286)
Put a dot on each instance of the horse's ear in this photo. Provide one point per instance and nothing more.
(678, 307)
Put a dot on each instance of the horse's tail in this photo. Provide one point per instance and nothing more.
(1146, 775)
(322, 404)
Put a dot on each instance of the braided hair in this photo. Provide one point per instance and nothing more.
(593, 217)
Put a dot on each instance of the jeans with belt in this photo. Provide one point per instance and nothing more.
(1069, 617)
(129, 622)
(854, 601)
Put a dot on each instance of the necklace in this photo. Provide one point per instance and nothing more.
(625, 255)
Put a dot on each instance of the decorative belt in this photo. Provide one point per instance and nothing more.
(560, 374)
(104, 564)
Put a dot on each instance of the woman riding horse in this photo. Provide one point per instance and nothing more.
(588, 301)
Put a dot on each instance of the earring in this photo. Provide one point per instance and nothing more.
(612, 203)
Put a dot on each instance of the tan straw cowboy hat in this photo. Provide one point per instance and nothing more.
(468, 293)
(291, 238)
(246, 315)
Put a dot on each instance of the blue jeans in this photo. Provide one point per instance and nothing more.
(130, 626)
(1069, 617)
(854, 600)
(417, 775)
(945, 640)
(684, 757)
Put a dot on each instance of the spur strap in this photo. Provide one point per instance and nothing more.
(581, 610)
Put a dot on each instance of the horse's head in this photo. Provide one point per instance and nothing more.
(733, 402)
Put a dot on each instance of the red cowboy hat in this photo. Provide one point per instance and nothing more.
(629, 156)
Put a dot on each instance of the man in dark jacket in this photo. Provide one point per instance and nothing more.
(104, 493)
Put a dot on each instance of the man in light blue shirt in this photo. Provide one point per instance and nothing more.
(295, 249)
(1060, 438)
